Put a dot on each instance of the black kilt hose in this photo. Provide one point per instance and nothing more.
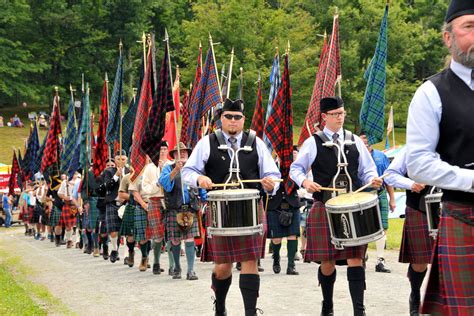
(417, 245)
(319, 247)
(276, 230)
(112, 220)
(233, 249)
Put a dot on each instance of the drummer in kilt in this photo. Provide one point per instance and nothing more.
(417, 245)
(440, 141)
(179, 214)
(322, 161)
(208, 165)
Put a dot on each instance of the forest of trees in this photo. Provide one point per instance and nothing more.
(46, 43)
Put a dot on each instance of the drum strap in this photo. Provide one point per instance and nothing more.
(324, 138)
(221, 140)
(248, 144)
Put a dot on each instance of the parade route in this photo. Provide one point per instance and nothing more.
(92, 286)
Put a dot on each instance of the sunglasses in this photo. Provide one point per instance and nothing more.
(236, 117)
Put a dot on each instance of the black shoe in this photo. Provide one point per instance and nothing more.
(327, 311)
(414, 307)
(131, 259)
(170, 271)
(156, 268)
(380, 267)
(177, 274)
(291, 271)
(238, 266)
(276, 266)
(113, 256)
(198, 252)
(191, 276)
(224, 313)
(105, 254)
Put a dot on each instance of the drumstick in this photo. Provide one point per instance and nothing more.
(243, 181)
(369, 184)
(331, 189)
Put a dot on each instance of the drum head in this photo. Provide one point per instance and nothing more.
(236, 194)
(351, 199)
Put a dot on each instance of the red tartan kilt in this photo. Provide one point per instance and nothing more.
(155, 228)
(450, 289)
(233, 249)
(417, 245)
(319, 247)
(67, 219)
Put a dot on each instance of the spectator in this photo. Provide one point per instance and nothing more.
(16, 122)
(7, 208)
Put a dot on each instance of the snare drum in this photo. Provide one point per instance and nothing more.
(234, 213)
(354, 219)
(433, 211)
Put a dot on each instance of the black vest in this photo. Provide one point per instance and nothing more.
(278, 201)
(324, 167)
(456, 141)
(413, 198)
(174, 199)
(217, 166)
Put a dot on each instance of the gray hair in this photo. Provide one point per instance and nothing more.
(448, 27)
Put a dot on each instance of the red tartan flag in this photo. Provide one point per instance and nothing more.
(102, 149)
(137, 154)
(184, 118)
(257, 118)
(279, 128)
(324, 86)
(13, 181)
(171, 128)
(51, 150)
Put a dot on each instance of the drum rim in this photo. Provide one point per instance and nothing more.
(243, 194)
(373, 197)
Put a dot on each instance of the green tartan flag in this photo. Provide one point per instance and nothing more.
(70, 139)
(85, 135)
(372, 113)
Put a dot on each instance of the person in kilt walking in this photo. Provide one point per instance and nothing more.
(100, 226)
(322, 161)
(208, 165)
(69, 210)
(57, 205)
(417, 245)
(148, 223)
(33, 215)
(88, 198)
(170, 179)
(128, 219)
(42, 204)
(440, 152)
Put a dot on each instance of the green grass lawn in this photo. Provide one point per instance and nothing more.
(394, 234)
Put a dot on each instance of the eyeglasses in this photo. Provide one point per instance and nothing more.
(337, 114)
(236, 117)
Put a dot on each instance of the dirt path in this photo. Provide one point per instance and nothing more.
(92, 286)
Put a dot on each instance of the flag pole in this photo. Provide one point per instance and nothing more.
(106, 78)
(120, 113)
(229, 74)
(242, 83)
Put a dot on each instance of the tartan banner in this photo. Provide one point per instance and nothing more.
(184, 118)
(13, 181)
(372, 112)
(192, 95)
(51, 150)
(207, 96)
(69, 143)
(275, 82)
(35, 164)
(171, 128)
(31, 151)
(114, 111)
(85, 134)
(101, 149)
(162, 103)
(279, 128)
(257, 118)
(137, 154)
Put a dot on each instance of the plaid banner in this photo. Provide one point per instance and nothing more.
(137, 155)
(85, 135)
(279, 128)
(70, 139)
(101, 149)
(113, 126)
(51, 150)
(162, 103)
(93, 141)
(184, 118)
(35, 164)
(257, 118)
(13, 181)
(275, 81)
(171, 122)
(372, 112)
(31, 151)
(207, 96)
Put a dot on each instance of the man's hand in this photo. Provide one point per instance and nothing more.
(118, 173)
(417, 187)
(145, 206)
(311, 186)
(392, 205)
(268, 184)
(179, 166)
(205, 182)
(376, 182)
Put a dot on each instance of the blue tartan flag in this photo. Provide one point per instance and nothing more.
(85, 135)
(275, 82)
(32, 151)
(372, 112)
(207, 96)
(35, 164)
(113, 127)
(69, 141)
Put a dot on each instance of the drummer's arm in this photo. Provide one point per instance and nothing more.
(267, 168)
(195, 165)
(367, 171)
(302, 165)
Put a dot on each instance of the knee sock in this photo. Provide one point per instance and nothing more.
(156, 251)
(249, 286)
(190, 254)
(68, 235)
(170, 255)
(292, 247)
(131, 246)
(276, 251)
(105, 245)
(89, 239)
(380, 246)
(144, 250)
(176, 249)
(113, 243)
(416, 280)
(356, 278)
(220, 287)
(327, 287)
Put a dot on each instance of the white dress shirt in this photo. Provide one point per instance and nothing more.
(396, 172)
